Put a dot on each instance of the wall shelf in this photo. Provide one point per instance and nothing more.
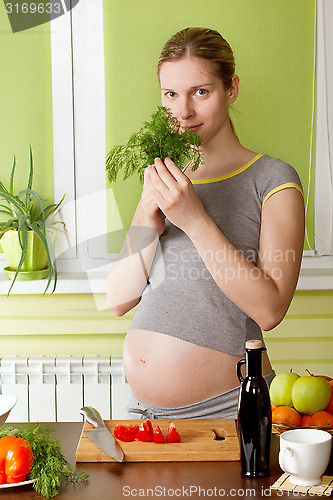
(316, 274)
(67, 283)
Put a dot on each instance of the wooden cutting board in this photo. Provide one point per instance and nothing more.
(201, 440)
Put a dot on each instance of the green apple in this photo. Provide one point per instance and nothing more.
(280, 388)
(311, 394)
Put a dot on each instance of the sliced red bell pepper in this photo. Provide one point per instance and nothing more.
(145, 431)
(158, 436)
(173, 435)
(125, 432)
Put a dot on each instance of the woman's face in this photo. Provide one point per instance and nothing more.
(196, 97)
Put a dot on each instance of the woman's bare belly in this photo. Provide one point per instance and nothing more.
(169, 372)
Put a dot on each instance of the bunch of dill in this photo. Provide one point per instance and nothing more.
(49, 466)
(159, 138)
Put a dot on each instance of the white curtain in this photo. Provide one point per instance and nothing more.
(324, 130)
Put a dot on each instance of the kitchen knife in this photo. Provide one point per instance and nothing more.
(100, 436)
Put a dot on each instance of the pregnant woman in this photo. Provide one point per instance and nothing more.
(213, 255)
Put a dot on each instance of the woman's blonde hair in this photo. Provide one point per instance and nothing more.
(206, 44)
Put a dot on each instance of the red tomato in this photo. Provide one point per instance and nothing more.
(158, 436)
(125, 432)
(145, 431)
(15, 459)
(172, 434)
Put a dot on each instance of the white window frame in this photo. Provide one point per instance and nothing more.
(79, 122)
(323, 221)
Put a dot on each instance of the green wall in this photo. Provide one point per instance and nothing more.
(304, 339)
(26, 105)
(273, 47)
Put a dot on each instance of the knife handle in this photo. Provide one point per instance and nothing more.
(92, 416)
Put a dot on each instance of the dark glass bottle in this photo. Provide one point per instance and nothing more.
(254, 423)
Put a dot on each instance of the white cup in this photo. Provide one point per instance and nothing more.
(305, 454)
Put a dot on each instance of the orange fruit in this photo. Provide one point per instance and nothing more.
(287, 415)
(322, 419)
(306, 420)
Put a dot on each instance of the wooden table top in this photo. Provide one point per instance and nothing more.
(195, 480)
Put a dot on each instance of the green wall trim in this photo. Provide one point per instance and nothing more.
(62, 344)
(315, 366)
(310, 316)
(62, 327)
(298, 339)
(303, 361)
(316, 293)
(302, 328)
(68, 318)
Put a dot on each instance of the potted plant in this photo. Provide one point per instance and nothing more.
(27, 234)
(160, 137)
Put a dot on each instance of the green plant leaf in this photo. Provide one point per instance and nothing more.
(22, 230)
(33, 193)
(52, 209)
(10, 198)
(2, 188)
(53, 258)
(31, 172)
(5, 210)
(11, 184)
(23, 239)
(38, 228)
(6, 226)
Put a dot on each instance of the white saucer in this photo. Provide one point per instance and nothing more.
(12, 485)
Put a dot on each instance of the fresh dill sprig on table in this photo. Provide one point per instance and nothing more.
(158, 138)
(49, 466)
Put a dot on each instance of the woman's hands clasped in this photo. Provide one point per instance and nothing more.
(153, 216)
(168, 189)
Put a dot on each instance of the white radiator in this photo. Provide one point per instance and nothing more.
(54, 388)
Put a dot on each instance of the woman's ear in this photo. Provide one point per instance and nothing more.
(233, 90)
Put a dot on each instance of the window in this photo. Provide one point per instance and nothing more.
(79, 135)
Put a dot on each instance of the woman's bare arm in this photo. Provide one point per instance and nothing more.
(263, 292)
(128, 277)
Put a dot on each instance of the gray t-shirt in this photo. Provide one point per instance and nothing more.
(182, 299)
